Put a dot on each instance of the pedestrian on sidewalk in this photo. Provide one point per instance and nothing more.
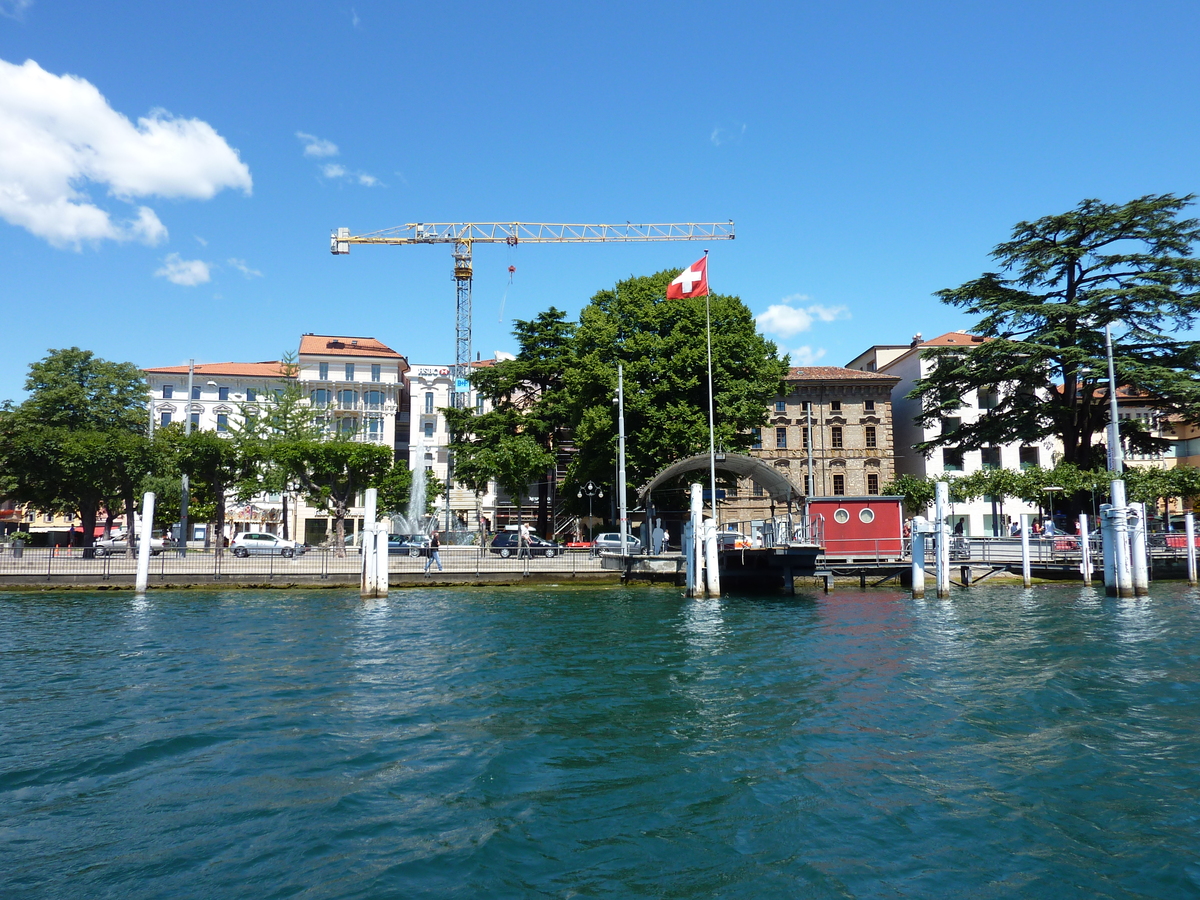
(433, 552)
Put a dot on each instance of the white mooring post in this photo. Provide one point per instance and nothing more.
(1107, 545)
(1026, 575)
(920, 529)
(1085, 549)
(381, 558)
(697, 523)
(688, 545)
(1138, 563)
(1120, 535)
(143, 558)
(712, 562)
(1189, 528)
(370, 569)
(942, 546)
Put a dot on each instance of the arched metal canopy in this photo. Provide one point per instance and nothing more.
(770, 479)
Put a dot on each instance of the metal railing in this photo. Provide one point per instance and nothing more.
(72, 563)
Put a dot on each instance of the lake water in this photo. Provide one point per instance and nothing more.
(615, 742)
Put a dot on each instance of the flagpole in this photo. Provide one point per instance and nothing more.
(712, 446)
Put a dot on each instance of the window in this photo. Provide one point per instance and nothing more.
(756, 489)
(804, 436)
(347, 425)
(376, 372)
(780, 406)
(222, 421)
(806, 406)
(251, 395)
(835, 436)
(195, 420)
(839, 485)
(349, 371)
(168, 391)
(164, 419)
(835, 406)
(479, 404)
(872, 483)
(428, 402)
(375, 427)
(429, 429)
(952, 460)
(321, 397)
(990, 457)
(195, 392)
(373, 399)
(323, 371)
(869, 432)
(869, 406)
(807, 485)
(1029, 457)
(347, 399)
(951, 424)
(989, 397)
(781, 438)
(223, 393)
(755, 438)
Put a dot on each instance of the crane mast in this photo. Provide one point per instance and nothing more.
(465, 234)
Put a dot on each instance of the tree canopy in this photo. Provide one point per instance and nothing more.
(558, 391)
(1067, 276)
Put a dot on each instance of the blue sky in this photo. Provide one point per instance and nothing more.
(870, 154)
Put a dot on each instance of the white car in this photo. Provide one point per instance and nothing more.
(259, 542)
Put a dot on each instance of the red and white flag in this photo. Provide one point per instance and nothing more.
(692, 282)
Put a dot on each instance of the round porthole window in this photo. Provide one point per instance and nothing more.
(866, 516)
(841, 516)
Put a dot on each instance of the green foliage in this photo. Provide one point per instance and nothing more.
(78, 442)
(332, 472)
(1069, 276)
(395, 487)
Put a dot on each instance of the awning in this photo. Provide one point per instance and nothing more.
(770, 479)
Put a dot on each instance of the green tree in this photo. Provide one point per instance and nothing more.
(1068, 276)
(513, 462)
(78, 442)
(215, 466)
(661, 344)
(332, 472)
(529, 399)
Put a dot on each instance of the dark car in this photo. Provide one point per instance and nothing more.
(506, 544)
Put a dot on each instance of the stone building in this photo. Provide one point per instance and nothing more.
(830, 432)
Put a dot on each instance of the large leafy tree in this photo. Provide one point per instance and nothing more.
(1066, 277)
(531, 408)
(78, 443)
(332, 472)
(661, 344)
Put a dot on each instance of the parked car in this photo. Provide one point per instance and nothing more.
(506, 543)
(257, 542)
(407, 544)
(612, 541)
(117, 543)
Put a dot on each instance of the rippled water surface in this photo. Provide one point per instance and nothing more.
(599, 743)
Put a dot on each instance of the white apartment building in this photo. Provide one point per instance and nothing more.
(357, 384)
(430, 389)
(910, 362)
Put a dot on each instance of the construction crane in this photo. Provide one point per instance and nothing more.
(464, 234)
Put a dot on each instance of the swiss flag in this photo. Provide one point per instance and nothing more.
(692, 282)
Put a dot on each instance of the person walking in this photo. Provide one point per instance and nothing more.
(434, 556)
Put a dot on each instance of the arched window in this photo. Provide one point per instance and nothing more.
(347, 399)
(373, 399)
(428, 402)
(321, 397)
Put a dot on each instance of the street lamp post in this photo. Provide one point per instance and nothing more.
(590, 490)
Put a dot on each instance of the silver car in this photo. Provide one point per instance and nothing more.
(612, 541)
(117, 543)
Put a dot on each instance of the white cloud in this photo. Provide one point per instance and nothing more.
(806, 355)
(722, 135)
(333, 170)
(58, 133)
(14, 9)
(187, 272)
(240, 265)
(367, 180)
(785, 320)
(318, 147)
(199, 240)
